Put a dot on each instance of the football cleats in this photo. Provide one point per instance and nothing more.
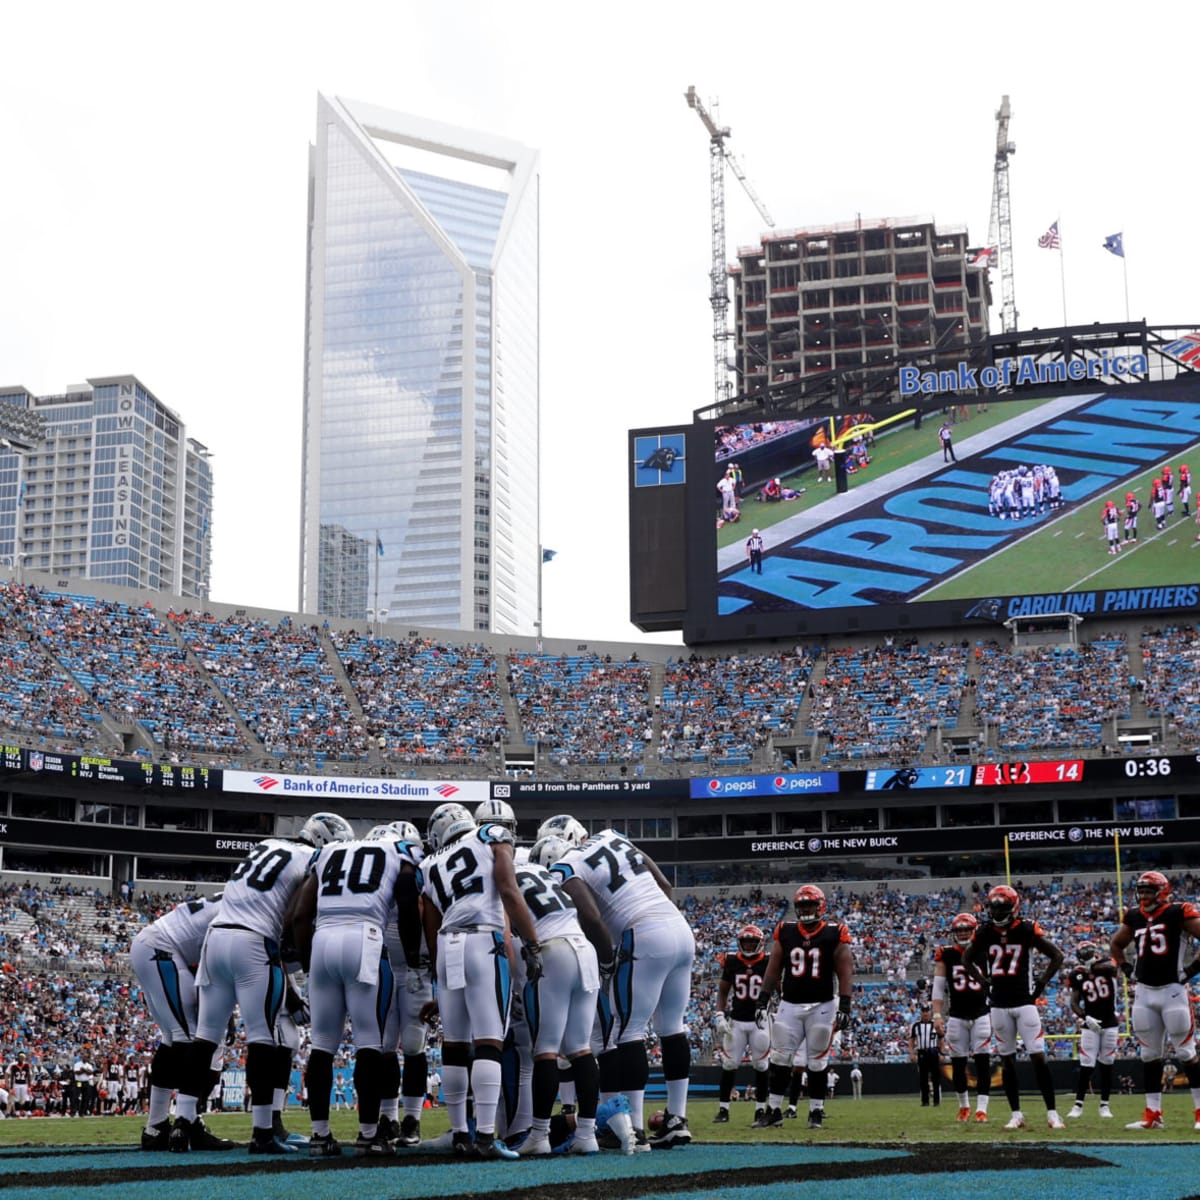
(564, 826)
(399, 831)
(447, 823)
(962, 928)
(750, 940)
(1153, 890)
(1003, 902)
(548, 850)
(1086, 952)
(322, 828)
(497, 812)
(810, 904)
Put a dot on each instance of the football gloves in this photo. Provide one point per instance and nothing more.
(841, 1019)
(531, 955)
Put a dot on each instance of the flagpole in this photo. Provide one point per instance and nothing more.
(376, 556)
(1125, 272)
(1062, 273)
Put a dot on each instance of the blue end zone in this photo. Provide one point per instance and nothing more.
(1164, 1172)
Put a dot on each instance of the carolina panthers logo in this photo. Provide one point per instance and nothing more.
(663, 459)
(989, 610)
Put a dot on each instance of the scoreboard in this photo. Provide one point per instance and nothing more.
(167, 777)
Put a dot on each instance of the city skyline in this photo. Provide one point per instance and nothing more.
(156, 220)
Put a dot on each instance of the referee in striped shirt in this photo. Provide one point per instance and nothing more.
(923, 1050)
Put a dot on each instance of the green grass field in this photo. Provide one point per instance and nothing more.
(893, 449)
(876, 1119)
(1069, 553)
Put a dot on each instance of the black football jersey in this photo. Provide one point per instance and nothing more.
(968, 997)
(1005, 958)
(808, 976)
(1098, 994)
(744, 976)
(1159, 942)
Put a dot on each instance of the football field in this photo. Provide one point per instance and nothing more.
(883, 1142)
(1068, 552)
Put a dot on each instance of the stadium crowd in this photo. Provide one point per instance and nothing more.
(883, 701)
(242, 692)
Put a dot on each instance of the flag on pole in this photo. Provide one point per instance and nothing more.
(1115, 244)
(378, 546)
(1050, 239)
(547, 555)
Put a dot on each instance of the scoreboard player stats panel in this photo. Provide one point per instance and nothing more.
(929, 514)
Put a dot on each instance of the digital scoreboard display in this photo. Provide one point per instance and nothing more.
(1004, 522)
(94, 769)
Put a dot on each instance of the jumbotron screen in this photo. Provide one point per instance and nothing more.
(946, 513)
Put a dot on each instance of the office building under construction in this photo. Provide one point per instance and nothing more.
(860, 294)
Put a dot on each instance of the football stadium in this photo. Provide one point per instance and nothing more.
(882, 870)
(997, 701)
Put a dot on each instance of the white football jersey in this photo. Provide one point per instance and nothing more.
(413, 853)
(553, 911)
(356, 883)
(257, 895)
(182, 929)
(460, 880)
(625, 889)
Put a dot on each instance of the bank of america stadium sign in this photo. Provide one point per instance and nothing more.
(1015, 372)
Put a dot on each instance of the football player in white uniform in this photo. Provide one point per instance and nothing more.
(514, 1114)
(655, 949)
(561, 1006)
(409, 956)
(242, 964)
(469, 886)
(338, 920)
(163, 957)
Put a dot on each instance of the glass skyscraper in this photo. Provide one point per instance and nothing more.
(113, 490)
(420, 472)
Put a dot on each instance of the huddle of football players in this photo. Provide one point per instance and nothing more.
(545, 966)
(395, 931)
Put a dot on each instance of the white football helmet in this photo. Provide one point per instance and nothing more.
(324, 827)
(546, 851)
(564, 826)
(497, 812)
(447, 823)
(395, 831)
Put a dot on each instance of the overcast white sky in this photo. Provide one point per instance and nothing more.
(152, 202)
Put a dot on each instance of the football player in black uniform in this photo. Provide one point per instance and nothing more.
(1161, 1006)
(810, 958)
(1093, 991)
(1001, 952)
(969, 1028)
(737, 1026)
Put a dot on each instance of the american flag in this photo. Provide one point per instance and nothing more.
(1050, 239)
(1186, 349)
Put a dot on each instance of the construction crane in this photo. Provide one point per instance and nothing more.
(719, 155)
(1000, 227)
